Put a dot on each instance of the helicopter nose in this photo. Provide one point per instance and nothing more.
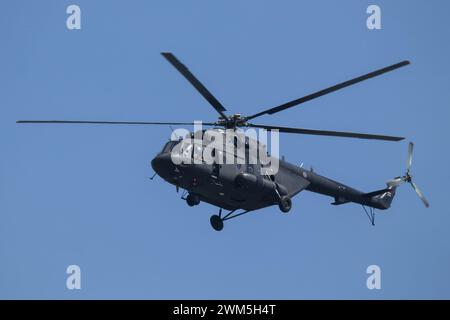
(158, 163)
(162, 164)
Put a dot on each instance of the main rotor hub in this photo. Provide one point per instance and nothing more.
(408, 177)
(233, 121)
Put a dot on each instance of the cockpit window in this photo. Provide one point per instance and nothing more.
(169, 146)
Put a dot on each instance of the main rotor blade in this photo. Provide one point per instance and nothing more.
(195, 82)
(329, 90)
(110, 122)
(409, 160)
(328, 133)
(420, 194)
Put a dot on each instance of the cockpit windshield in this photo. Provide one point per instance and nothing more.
(169, 146)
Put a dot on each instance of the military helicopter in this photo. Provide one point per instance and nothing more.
(241, 188)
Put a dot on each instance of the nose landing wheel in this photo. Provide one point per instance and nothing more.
(192, 200)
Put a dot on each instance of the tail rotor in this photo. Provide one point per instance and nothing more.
(408, 177)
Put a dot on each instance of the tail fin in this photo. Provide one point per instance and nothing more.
(382, 199)
(387, 197)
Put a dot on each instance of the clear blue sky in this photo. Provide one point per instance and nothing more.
(80, 195)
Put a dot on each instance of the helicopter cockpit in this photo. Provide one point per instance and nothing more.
(169, 146)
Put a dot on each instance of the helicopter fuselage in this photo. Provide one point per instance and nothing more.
(242, 186)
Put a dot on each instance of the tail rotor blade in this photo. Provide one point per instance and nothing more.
(409, 160)
(420, 194)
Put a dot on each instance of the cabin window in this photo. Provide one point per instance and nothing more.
(186, 149)
(198, 152)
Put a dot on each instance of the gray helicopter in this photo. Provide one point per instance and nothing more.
(242, 187)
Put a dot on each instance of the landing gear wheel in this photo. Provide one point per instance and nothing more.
(285, 204)
(216, 222)
(192, 200)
